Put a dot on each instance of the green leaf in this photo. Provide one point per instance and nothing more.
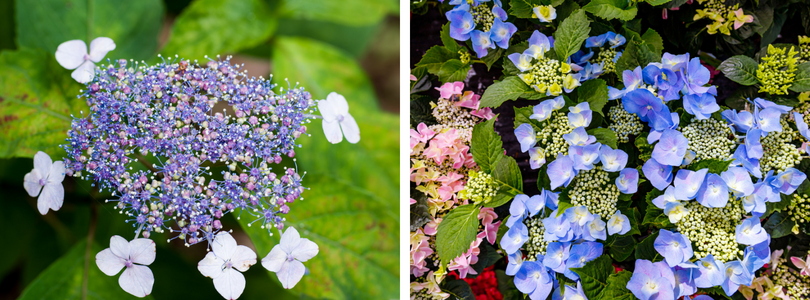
(492, 57)
(458, 289)
(457, 231)
(487, 256)
(594, 275)
(802, 81)
(635, 55)
(133, 25)
(657, 2)
(715, 166)
(453, 70)
(652, 38)
(611, 9)
(348, 12)
(213, 27)
(740, 69)
(620, 247)
(64, 278)
(605, 136)
(522, 115)
(779, 225)
(595, 92)
(435, 57)
(617, 287)
(420, 214)
(499, 92)
(572, 32)
(421, 112)
(351, 185)
(447, 41)
(37, 97)
(646, 250)
(523, 8)
(507, 175)
(486, 146)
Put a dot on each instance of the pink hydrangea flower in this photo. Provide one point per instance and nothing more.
(450, 88)
(487, 215)
(432, 226)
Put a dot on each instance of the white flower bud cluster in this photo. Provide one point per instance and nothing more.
(605, 58)
(709, 139)
(480, 187)
(624, 123)
(804, 109)
(798, 286)
(423, 294)
(799, 209)
(536, 244)
(482, 15)
(550, 137)
(778, 153)
(712, 230)
(545, 72)
(594, 190)
(453, 116)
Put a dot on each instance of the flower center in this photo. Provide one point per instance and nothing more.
(290, 257)
(86, 57)
(128, 263)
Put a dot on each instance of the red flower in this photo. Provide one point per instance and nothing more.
(485, 286)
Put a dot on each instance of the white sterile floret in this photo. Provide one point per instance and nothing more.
(135, 255)
(73, 55)
(286, 259)
(225, 263)
(336, 118)
(47, 177)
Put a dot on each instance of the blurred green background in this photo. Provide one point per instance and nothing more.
(351, 210)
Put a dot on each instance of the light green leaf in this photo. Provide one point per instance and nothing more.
(435, 57)
(605, 136)
(509, 89)
(802, 81)
(611, 9)
(741, 69)
(486, 146)
(213, 27)
(715, 166)
(594, 275)
(657, 2)
(523, 8)
(507, 175)
(447, 41)
(349, 12)
(635, 55)
(617, 287)
(492, 57)
(457, 231)
(595, 92)
(133, 25)
(453, 70)
(64, 278)
(572, 32)
(351, 209)
(37, 97)
(652, 38)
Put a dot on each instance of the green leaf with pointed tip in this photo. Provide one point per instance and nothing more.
(435, 57)
(64, 278)
(453, 70)
(595, 92)
(509, 89)
(213, 27)
(572, 32)
(594, 275)
(741, 69)
(486, 146)
(37, 97)
(611, 9)
(135, 32)
(507, 175)
(617, 287)
(646, 250)
(523, 8)
(349, 12)
(447, 41)
(802, 81)
(351, 209)
(779, 225)
(605, 136)
(457, 231)
(652, 38)
(635, 55)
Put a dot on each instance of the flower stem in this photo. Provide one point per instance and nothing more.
(87, 252)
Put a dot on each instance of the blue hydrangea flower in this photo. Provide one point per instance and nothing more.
(674, 62)
(539, 43)
(674, 247)
(648, 107)
(580, 115)
(627, 182)
(557, 228)
(760, 254)
(700, 105)
(710, 272)
(742, 121)
(556, 255)
(788, 181)
(614, 39)
(584, 157)
(579, 137)
(523, 62)
(768, 119)
(632, 80)
(738, 181)
(579, 255)
(537, 158)
(755, 203)
(654, 135)
(753, 146)
(578, 215)
(735, 275)
(481, 41)
(533, 279)
(658, 174)
(713, 192)
(526, 136)
(574, 293)
(502, 32)
(514, 238)
(750, 232)
(762, 103)
(684, 280)
(695, 77)
(688, 183)
(652, 281)
(596, 41)
(612, 160)
(671, 148)
(514, 264)
(461, 24)
(667, 82)
(749, 163)
(561, 171)
(552, 199)
(618, 224)
(669, 195)
(590, 71)
(524, 205)
(801, 125)
(594, 229)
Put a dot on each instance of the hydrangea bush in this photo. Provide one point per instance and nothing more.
(622, 161)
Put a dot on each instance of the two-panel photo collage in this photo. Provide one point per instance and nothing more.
(405, 149)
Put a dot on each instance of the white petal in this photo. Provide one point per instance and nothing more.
(350, 129)
(57, 172)
(53, 195)
(327, 111)
(291, 273)
(42, 163)
(231, 284)
(31, 183)
(137, 280)
(338, 102)
(289, 240)
(332, 131)
(119, 246)
(71, 54)
(243, 258)
(210, 265)
(142, 251)
(108, 262)
(84, 73)
(99, 48)
(306, 249)
(224, 245)
(275, 259)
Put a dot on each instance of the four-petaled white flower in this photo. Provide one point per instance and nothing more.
(286, 258)
(73, 55)
(47, 177)
(136, 255)
(223, 262)
(336, 117)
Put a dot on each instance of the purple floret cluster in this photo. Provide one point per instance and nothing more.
(183, 121)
